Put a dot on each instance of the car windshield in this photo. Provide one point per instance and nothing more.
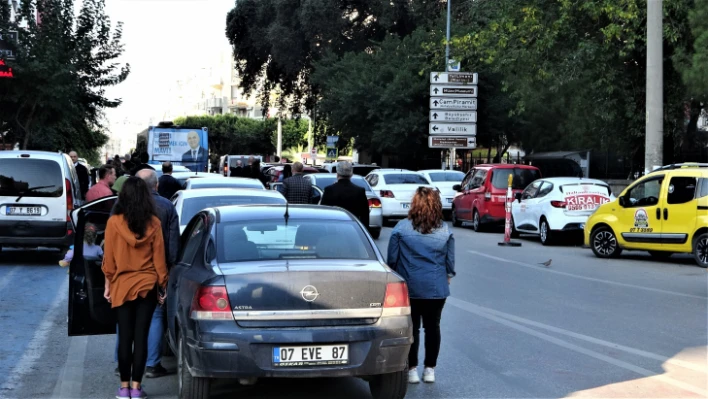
(30, 178)
(258, 240)
(404, 178)
(453, 176)
(227, 183)
(522, 177)
(326, 181)
(192, 206)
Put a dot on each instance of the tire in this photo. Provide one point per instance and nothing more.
(389, 386)
(190, 387)
(700, 250)
(455, 221)
(514, 232)
(545, 232)
(476, 221)
(603, 242)
(375, 234)
(660, 254)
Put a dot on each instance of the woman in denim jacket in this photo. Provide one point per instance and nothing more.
(422, 251)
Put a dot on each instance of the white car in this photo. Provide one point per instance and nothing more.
(444, 180)
(396, 187)
(549, 207)
(182, 177)
(190, 202)
(222, 182)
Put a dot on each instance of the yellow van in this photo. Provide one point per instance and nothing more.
(664, 212)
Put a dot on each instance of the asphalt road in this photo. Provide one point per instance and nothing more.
(583, 327)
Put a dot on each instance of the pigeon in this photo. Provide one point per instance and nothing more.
(547, 263)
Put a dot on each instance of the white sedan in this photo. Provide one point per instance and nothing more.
(396, 188)
(190, 202)
(222, 182)
(548, 207)
(444, 180)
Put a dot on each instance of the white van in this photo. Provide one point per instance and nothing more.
(38, 191)
(226, 162)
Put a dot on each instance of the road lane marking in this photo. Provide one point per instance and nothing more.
(598, 280)
(7, 278)
(36, 346)
(586, 338)
(71, 378)
(471, 308)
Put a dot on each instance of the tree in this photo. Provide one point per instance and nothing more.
(63, 65)
(277, 42)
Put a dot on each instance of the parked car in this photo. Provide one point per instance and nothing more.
(264, 291)
(555, 206)
(38, 191)
(220, 182)
(182, 177)
(444, 181)
(189, 202)
(395, 188)
(664, 212)
(323, 180)
(482, 194)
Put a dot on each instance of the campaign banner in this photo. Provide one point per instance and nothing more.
(187, 147)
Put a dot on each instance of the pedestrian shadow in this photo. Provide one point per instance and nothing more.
(33, 257)
(293, 388)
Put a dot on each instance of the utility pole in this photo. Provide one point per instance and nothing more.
(447, 69)
(654, 141)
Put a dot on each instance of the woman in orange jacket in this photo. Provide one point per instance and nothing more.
(135, 269)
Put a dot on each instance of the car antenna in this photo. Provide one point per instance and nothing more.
(287, 214)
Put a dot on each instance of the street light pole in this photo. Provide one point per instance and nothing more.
(654, 139)
(447, 68)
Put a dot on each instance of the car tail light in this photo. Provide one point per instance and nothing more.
(226, 171)
(69, 199)
(396, 301)
(211, 303)
(487, 195)
(558, 204)
(374, 203)
(387, 194)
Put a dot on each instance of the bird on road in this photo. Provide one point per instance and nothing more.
(546, 263)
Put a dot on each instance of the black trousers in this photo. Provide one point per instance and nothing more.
(134, 319)
(430, 311)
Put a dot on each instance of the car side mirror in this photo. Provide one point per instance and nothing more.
(518, 197)
(457, 187)
(623, 201)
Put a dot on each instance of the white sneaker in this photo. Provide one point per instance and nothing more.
(413, 376)
(429, 375)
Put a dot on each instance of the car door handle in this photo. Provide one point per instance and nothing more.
(658, 213)
(666, 213)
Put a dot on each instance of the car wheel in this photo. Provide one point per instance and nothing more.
(545, 232)
(514, 232)
(455, 221)
(476, 222)
(375, 234)
(661, 254)
(700, 250)
(190, 387)
(389, 386)
(604, 243)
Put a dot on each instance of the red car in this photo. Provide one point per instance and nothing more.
(482, 194)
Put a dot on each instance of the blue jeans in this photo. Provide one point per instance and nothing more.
(157, 333)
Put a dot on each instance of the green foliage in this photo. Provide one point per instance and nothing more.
(63, 65)
(694, 62)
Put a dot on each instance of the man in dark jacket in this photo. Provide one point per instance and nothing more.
(168, 185)
(82, 172)
(297, 189)
(347, 195)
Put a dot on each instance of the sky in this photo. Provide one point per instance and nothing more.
(164, 40)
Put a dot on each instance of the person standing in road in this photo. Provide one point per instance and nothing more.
(297, 189)
(422, 250)
(347, 195)
(168, 185)
(141, 164)
(135, 269)
(106, 176)
(237, 171)
(82, 172)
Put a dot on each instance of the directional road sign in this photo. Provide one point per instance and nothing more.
(454, 129)
(332, 141)
(453, 91)
(464, 78)
(453, 116)
(462, 104)
(452, 142)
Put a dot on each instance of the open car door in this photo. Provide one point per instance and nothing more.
(89, 312)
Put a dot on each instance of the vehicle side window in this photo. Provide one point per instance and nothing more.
(704, 188)
(478, 179)
(546, 189)
(645, 193)
(373, 180)
(466, 179)
(531, 190)
(193, 239)
(681, 190)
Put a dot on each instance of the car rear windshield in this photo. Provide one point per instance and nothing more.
(260, 240)
(192, 206)
(225, 184)
(522, 177)
(446, 176)
(586, 187)
(404, 178)
(30, 178)
(323, 182)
